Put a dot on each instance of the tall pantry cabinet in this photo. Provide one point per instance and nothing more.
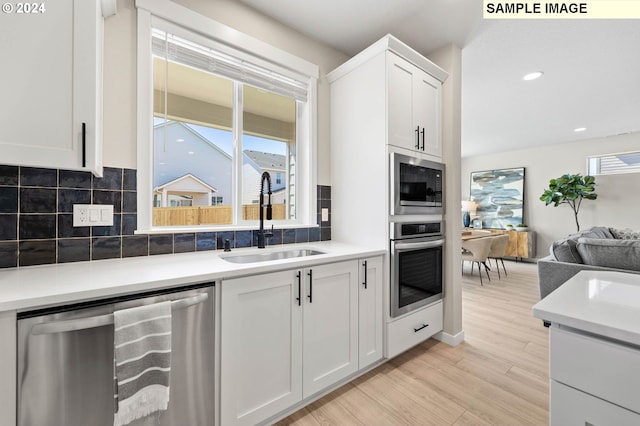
(385, 99)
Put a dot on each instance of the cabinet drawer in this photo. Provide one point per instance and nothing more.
(605, 369)
(410, 330)
(571, 407)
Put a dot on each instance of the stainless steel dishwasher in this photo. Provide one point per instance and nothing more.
(65, 361)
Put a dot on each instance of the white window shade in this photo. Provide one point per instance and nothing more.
(173, 48)
(628, 162)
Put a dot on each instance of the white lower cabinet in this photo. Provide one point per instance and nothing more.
(370, 312)
(330, 325)
(413, 328)
(594, 380)
(284, 337)
(260, 347)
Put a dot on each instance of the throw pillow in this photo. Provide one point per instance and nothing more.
(625, 234)
(610, 253)
(564, 250)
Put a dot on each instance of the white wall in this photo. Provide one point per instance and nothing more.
(120, 72)
(450, 59)
(618, 195)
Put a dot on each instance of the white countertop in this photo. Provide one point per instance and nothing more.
(599, 302)
(34, 287)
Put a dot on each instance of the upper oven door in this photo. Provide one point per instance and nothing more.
(417, 185)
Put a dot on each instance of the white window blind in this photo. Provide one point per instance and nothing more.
(173, 48)
(611, 164)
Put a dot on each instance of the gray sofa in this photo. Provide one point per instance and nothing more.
(595, 249)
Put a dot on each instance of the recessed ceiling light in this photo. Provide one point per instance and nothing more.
(191, 152)
(532, 76)
(579, 129)
(180, 140)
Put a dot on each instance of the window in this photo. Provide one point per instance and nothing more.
(218, 118)
(610, 164)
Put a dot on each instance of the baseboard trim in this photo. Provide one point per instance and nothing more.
(450, 339)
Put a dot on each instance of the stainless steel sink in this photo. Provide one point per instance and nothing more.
(271, 255)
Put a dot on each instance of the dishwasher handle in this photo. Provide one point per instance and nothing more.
(102, 320)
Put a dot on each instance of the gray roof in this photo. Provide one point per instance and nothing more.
(267, 160)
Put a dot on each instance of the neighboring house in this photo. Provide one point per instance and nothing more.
(187, 190)
(180, 152)
(189, 166)
(254, 163)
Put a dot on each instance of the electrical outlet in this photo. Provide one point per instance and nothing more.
(92, 215)
(325, 214)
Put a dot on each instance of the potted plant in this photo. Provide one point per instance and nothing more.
(570, 189)
(521, 227)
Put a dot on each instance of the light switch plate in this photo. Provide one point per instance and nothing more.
(92, 215)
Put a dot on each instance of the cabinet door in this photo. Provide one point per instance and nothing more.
(427, 113)
(261, 347)
(370, 306)
(330, 323)
(403, 132)
(413, 107)
(50, 80)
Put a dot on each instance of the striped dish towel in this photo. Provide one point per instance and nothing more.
(142, 349)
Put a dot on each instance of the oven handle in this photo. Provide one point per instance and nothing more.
(418, 245)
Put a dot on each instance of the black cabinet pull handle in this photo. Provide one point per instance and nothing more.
(299, 277)
(310, 295)
(365, 274)
(415, 330)
(418, 137)
(422, 132)
(84, 144)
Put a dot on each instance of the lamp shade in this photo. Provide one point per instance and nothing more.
(469, 206)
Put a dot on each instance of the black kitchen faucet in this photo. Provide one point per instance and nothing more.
(261, 233)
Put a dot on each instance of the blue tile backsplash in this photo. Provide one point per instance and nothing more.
(36, 220)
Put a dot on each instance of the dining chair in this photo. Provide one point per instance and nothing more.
(498, 250)
(477, 251)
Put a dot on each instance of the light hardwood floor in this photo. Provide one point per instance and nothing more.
(497, 376)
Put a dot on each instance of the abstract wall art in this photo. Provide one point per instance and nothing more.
(499, 195)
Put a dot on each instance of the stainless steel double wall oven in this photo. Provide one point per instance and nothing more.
(416, 233)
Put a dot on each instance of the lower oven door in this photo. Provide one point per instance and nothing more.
(416, 273)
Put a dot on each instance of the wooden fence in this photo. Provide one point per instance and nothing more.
(209, 215)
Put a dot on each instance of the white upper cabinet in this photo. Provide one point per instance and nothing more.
(51, 85)
(413, 107)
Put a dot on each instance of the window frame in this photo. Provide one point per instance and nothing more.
(174, 17)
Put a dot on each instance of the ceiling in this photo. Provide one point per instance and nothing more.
(591, 67)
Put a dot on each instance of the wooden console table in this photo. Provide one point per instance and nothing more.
(522, 244)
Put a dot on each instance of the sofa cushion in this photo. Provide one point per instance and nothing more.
(612, 253)
(564, 250)
(625, 234)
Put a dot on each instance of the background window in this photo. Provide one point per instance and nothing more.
(610, 164)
